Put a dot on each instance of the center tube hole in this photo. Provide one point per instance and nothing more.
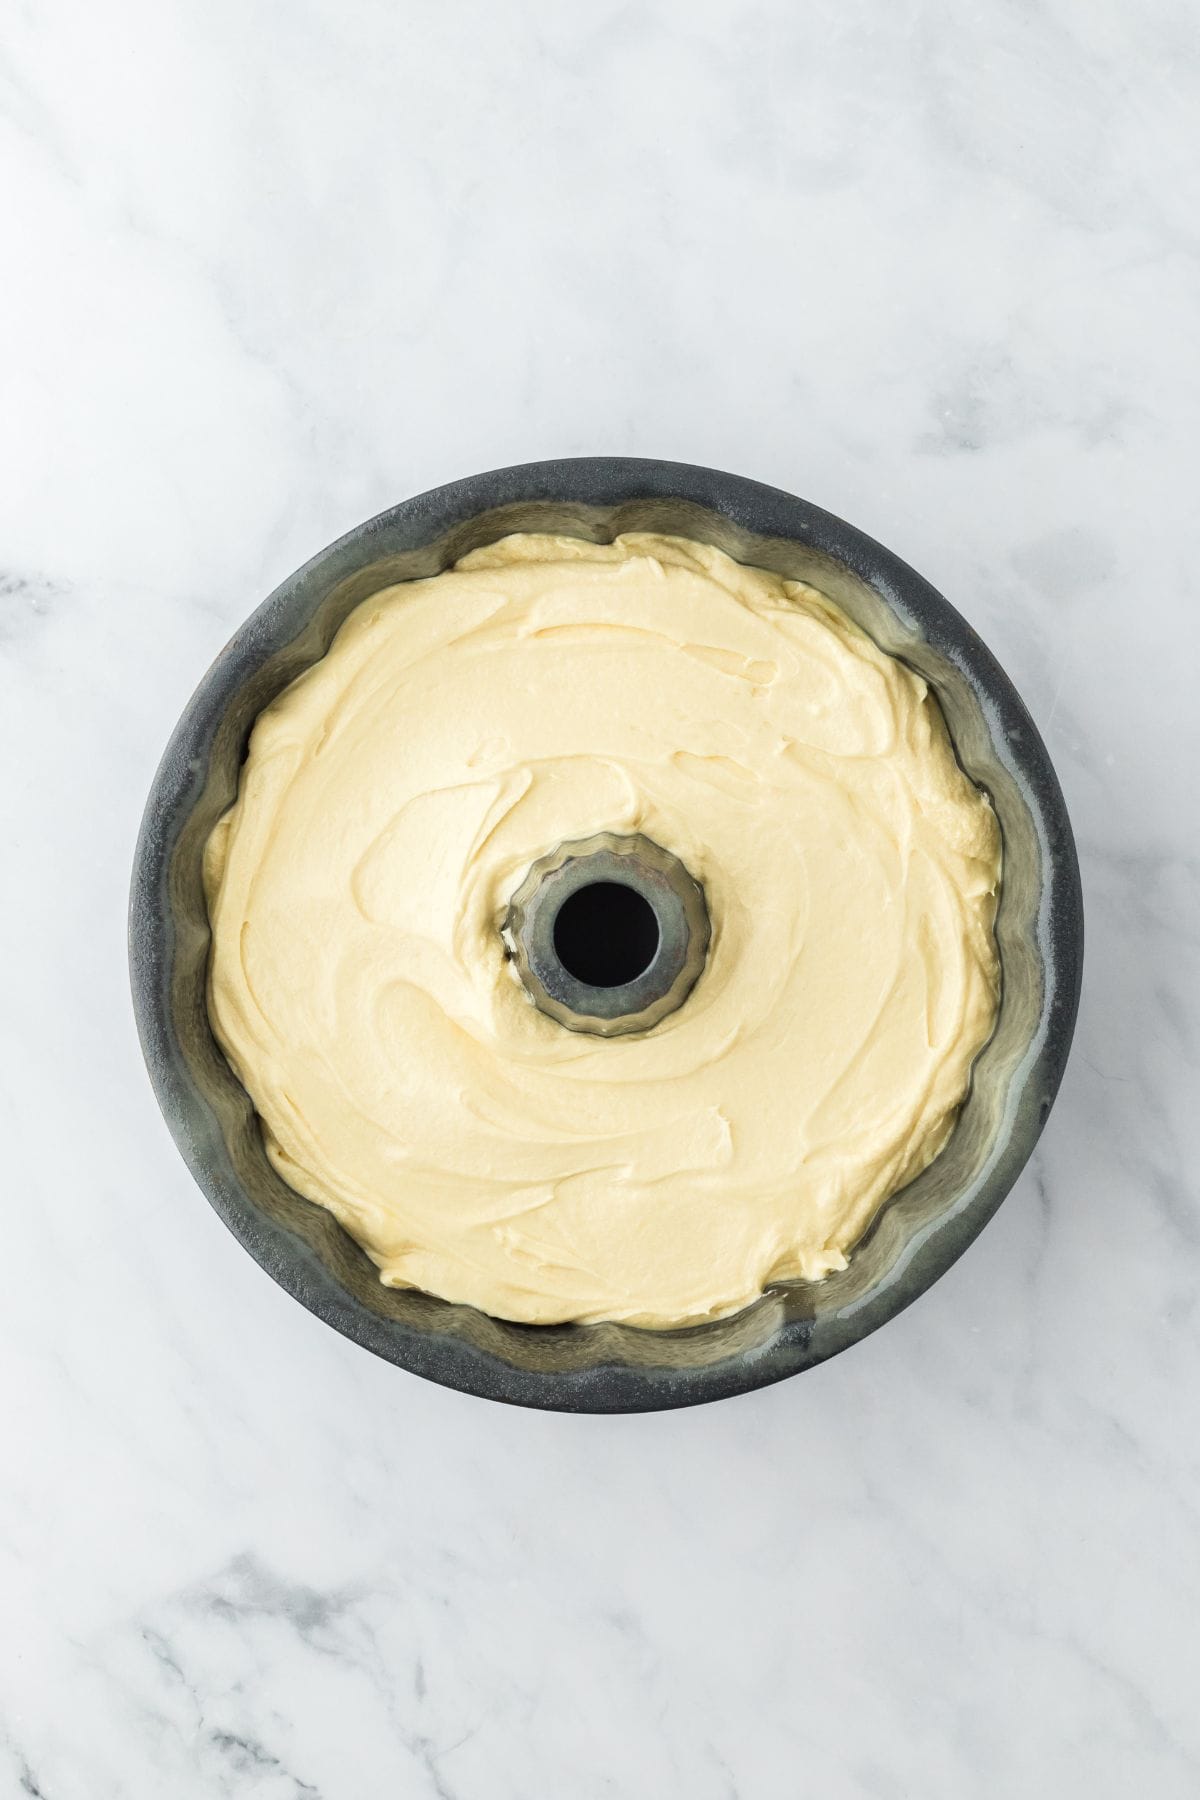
(606, 934)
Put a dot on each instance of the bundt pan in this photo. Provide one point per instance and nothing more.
(608, 1367)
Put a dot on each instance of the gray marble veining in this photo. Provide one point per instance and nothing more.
(935, 268)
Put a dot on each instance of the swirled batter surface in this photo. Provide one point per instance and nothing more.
(543, 690)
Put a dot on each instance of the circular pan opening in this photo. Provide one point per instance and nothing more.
(606, 934)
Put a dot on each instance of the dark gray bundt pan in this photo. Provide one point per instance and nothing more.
(610, 1368)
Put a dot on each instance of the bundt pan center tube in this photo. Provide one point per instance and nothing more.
(609, 935)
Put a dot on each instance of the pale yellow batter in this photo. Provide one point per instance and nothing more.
(544, 690)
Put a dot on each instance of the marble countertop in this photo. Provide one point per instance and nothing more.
(271, 268)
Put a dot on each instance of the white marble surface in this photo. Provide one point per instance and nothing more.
(268, 269)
